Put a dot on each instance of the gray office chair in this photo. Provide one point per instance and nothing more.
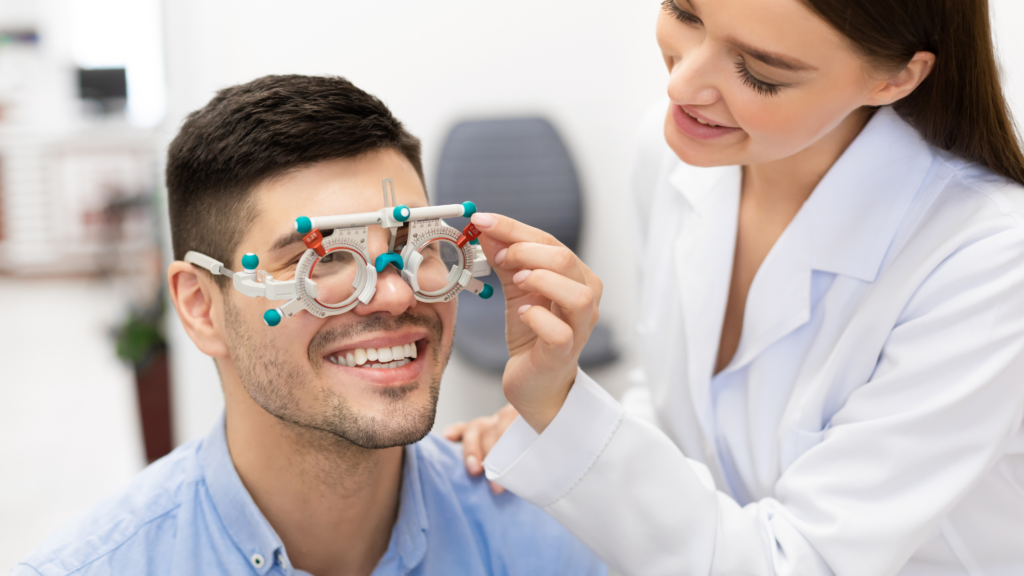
(520, 168)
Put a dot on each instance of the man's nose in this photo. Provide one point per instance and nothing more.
(393, 295)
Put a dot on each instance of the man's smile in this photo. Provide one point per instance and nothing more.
(377, 357)
(390, 358)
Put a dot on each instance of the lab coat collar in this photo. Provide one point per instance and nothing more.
(854, 213)
(845, 227)
(852, 216)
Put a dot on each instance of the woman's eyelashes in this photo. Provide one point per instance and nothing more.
(680, 14)
(760, 86)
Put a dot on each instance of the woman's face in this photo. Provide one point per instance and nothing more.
(770, 74)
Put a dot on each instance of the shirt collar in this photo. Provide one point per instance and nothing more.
(254, 536)
(410, 532)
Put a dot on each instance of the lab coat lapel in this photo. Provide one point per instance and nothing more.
(845, 227)
(703, 260)
(853, 221)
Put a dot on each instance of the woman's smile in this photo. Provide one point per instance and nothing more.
(698, 127)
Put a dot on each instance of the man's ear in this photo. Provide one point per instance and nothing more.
(197, 298)
(904, 82)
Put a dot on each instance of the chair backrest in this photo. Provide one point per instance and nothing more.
(518, 167)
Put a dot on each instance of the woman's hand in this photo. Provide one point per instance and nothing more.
(551, 306)
(478, 436)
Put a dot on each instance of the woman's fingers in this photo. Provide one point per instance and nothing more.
(532, 256)
(555, 336)
(479, 436)
(575, 299)
(454, 432)
(472, 453)
(509, 231)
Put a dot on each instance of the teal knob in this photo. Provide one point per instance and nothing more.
(470, 209)
(487, 292)
(401, 213)
(303, 225)
(383, 260)
(272, 317)
(250, 262)
(475, 242)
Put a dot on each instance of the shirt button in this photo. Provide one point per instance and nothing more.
(257, 560)
(280, 558)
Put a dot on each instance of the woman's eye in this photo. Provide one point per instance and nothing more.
(680, 14)
(760, 86)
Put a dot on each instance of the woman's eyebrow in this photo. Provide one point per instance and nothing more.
(772, 59)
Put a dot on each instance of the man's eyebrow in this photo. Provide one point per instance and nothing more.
(285, 240)
(772, 59)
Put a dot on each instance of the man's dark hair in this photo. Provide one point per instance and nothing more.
(255, 131)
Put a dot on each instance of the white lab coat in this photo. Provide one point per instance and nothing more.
(870, 421)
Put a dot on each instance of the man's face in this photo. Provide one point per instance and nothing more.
(288, 370)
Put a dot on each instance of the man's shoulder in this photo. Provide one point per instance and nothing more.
(515, 533)
(128, 528)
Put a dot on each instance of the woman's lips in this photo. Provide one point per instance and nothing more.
(694, 129)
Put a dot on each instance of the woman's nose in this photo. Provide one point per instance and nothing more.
(692, 79)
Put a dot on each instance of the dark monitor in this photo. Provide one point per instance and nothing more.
(106, 86)
(102, 84)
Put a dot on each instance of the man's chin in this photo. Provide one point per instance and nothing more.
(384, 417)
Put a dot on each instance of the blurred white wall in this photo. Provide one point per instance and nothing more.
(592, 67)
(1007, 18)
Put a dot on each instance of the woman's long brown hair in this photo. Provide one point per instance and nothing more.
(960, 107)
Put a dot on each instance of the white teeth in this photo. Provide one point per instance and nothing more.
(392, 357)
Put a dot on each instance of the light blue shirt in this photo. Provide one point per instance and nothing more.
(189, 513)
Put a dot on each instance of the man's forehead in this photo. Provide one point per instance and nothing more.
(343, 186)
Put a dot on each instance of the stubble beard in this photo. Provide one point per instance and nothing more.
(274, 385)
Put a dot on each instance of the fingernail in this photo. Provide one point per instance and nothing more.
(471, 463)
(483, 220)
(500, 256)
(520, 276)
(523, 309)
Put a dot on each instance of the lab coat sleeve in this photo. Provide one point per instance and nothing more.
(900, 453)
